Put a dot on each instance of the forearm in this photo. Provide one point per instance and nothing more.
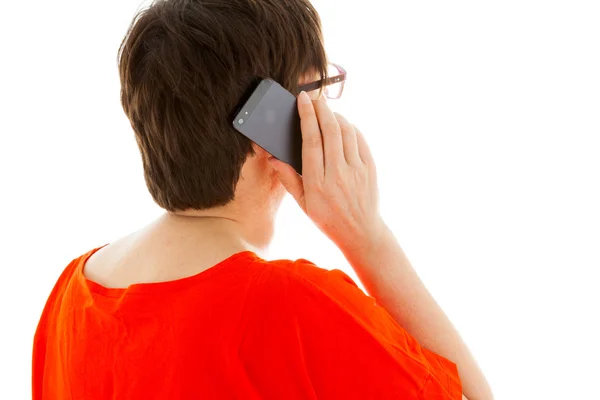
(388, 276)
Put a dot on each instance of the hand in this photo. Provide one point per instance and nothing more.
(338, 187)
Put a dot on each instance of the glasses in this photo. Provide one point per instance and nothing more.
(333, 86)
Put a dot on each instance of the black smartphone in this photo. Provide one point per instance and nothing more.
(270, 119)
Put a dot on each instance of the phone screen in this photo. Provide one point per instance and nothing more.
(270, 119)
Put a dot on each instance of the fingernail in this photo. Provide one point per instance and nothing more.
(271, 160)
(303, 98)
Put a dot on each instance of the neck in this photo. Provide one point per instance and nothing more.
(229, 228)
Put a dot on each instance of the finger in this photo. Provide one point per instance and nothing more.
(312, 142)
(349, 141)
(290, 180)
(363, 148)
(333, 149)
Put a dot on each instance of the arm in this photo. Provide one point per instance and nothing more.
(338, 191)
(389, 277)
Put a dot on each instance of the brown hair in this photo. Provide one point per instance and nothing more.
(184, 67)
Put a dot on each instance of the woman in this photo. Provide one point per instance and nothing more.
(185, 307)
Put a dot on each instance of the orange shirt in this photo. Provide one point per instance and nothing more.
(244, 329)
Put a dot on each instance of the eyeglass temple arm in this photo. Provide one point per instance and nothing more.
(318, 84)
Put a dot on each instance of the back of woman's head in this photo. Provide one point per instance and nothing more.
(184, 67)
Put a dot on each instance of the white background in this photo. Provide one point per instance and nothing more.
(484, 118)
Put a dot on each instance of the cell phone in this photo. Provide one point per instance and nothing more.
(270, 119)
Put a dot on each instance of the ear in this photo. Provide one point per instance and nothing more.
(260, 152)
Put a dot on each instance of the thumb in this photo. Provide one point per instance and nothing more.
(290, 180)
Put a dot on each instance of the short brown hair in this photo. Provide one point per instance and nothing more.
(185, 65)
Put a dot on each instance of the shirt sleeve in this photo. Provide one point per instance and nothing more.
(353, 349)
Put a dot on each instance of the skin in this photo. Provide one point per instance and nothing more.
(187, 242)
(338, 191)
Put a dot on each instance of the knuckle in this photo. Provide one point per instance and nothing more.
(341, 119)
(373, 169)
(347, 132)
(338, 178)
(315, 187)
(313, 142)
(331, 127)
(305, 112)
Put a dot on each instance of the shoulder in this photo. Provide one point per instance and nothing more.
(304, 273)
(347, 344)
(320, 304)
(56, 295)
(300, 277)
(72, 268)
(313, 296)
